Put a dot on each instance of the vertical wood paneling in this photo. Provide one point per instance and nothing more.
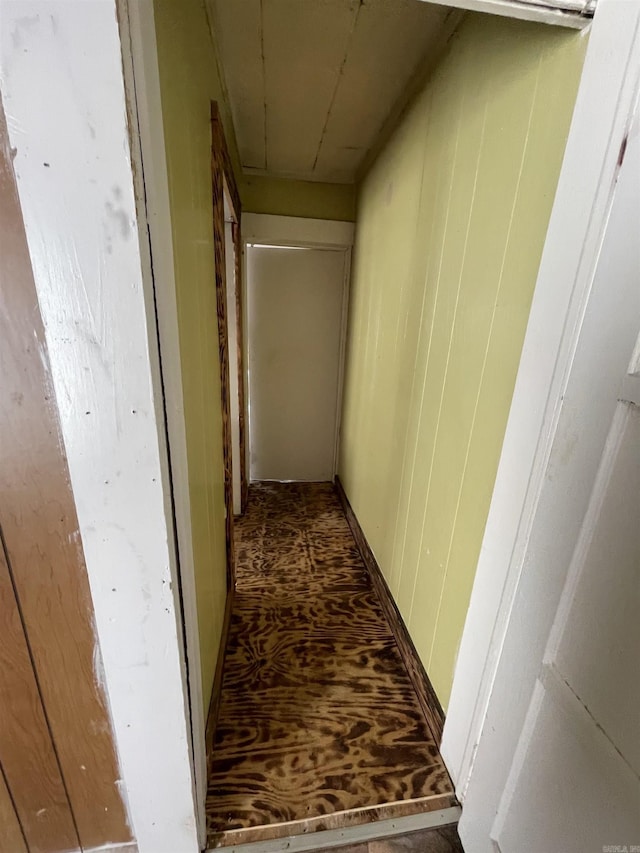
(42, 543)
(27, 753)
(442, 282)
(11, 837)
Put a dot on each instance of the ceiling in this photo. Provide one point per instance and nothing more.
(311, 82)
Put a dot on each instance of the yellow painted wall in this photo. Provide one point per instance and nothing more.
(262, 194)
(189, 81)
(451, 223)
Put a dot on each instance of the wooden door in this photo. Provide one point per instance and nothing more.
(295, 301)
(59, 780)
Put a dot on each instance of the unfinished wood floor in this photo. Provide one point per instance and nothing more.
(318, 717)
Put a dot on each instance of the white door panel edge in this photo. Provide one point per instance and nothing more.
(502, 638)
(140, 60)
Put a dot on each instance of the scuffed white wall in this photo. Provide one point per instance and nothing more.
(62, 87)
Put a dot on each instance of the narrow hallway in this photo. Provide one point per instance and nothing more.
(318, 716)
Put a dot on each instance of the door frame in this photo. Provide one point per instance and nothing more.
(140, 63)
(594, 152)
(298, 232)
(223, 183)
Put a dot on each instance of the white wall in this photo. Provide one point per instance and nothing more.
(62, 87)
(295, 300)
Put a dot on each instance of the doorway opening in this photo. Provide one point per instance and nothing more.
(296, 312)
(429, 321)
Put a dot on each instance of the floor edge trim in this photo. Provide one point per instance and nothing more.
(331, 838)
(427, 697)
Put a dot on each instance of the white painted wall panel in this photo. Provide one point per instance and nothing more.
(600, 644)
(564, 769)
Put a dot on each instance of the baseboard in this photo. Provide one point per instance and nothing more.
(429, 703)
(216, 691)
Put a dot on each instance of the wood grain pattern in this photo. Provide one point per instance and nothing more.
(27, 753)
(217, 191)
(42, 541)
(216, 691)
(11, 837)
(319, 722)
(244, 482)
(429, 702)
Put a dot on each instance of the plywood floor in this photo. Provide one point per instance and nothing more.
(318, 717)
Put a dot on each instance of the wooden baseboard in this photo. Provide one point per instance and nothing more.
(429, 703)
(216, 692)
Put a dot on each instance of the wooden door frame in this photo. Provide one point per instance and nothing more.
(222, 177)
(594, 152)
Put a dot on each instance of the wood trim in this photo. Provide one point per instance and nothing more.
(216, 691)
(244, 482)
(220, 171)
(367, 826)
(224, 158)
(275, 230)
(43, 546)
(429, 702)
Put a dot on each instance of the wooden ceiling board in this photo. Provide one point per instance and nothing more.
(238, 30)
(391, 39)
(304, 46)
(311, 82)
(338, 163)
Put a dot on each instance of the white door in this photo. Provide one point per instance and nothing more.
(574, 781)
(295, 308)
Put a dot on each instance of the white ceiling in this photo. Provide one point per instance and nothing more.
(311, 82)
